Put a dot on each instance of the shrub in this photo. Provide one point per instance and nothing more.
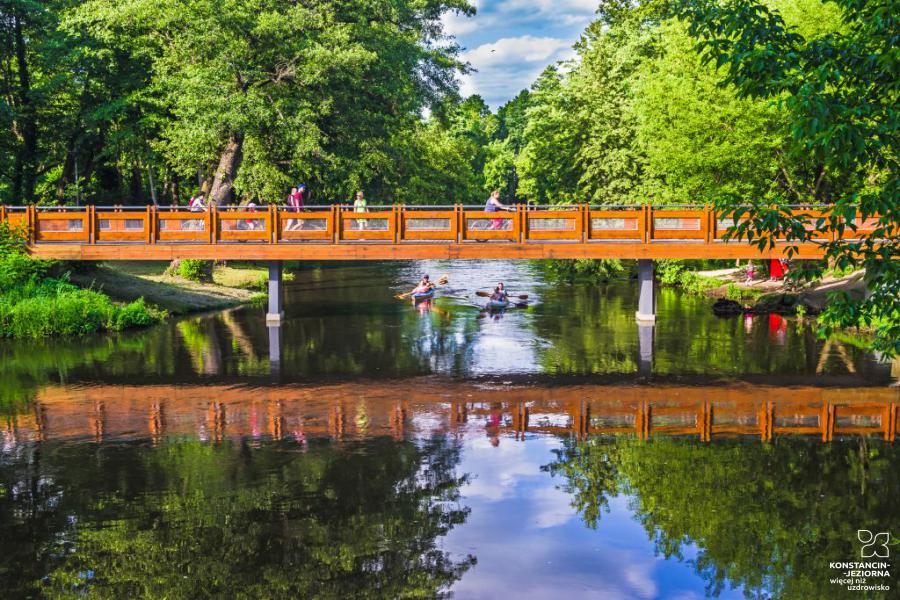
(18, 269)
(13, 239)
(583, 269)
(33, 305)
(668, 271)
(136, 314)
(194, 270)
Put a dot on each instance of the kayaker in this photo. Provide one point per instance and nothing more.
(424, 286)
(503, 291)
(498, 295)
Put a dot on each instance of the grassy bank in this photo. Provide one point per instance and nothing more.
(783, 296)
(36, 304)
(125, 281)
(41, 299)
(719, 283)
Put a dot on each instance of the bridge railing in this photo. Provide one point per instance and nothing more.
(335, 224)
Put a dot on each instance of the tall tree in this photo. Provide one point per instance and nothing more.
(262, 90)
(842, 94)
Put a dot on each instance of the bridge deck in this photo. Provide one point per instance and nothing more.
(391, 232)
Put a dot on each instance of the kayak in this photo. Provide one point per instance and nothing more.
(497, 304)
(423, 296)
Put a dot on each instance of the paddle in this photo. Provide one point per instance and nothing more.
(442, 280)
(488, 295)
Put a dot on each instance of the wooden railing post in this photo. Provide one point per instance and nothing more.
(398, 223)
(648, 223)
(2, 213)
(585, 222)
(707, 221)
(521, 223)
(90, 223)
(274, 224)
(460, 223)
(893, 417)
(215, 223)
(338, 225)
(31, 221)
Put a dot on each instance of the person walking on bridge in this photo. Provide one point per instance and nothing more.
(295, 202)
(360, 206)
(493, 204)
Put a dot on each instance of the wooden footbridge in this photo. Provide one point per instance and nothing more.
(392, 232)
(275, 233)
(216, 412)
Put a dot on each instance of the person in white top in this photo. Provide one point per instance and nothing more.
(195, 204)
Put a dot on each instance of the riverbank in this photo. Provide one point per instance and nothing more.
(125, 281)
(778, 296)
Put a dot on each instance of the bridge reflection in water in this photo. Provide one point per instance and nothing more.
(421, 408)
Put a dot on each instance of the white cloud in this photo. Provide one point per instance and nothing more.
(457, 24)
(555, 10)
(511, 64)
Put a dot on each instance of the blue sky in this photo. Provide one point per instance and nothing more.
(510, 42)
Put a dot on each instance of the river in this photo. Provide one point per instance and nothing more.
(368, 447)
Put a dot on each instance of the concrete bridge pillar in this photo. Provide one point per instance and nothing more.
(645, 347)
(274, 348)
(275, 313)
(646, 312)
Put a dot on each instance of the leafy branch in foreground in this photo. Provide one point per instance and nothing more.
(842, 92)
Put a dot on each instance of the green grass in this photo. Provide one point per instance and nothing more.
(34, 305)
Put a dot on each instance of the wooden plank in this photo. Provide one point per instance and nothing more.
(228, 223)
(389, 251)
(117, 231)
(348, 232)
(662, 232)
(46, 228)
(285, 218)
(509, 234)
(192, 226)
(573, 217)
(634, 222)
(449, 233)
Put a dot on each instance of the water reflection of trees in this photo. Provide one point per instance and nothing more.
(591, 330)
(192, 520)
(768, 517)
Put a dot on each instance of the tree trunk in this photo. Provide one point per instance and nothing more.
(136, 186)
(24, 175)
(229, 163)
(152, 184)
(67, 175)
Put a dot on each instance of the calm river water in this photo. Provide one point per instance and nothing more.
(372, 448)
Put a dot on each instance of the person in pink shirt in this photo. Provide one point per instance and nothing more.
(296, 203)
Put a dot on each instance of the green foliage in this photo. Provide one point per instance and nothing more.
(668, 271)
(134, 314)
(193, 269)
(841, 94)
(583, 270)
(13, 239)
(113, 101)
(33, 305)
